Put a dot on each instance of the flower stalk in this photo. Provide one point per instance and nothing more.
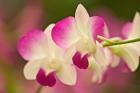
(39, 89)
(122, 42)
(113, 43)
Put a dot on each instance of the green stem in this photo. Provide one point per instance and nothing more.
(39, 89)
(121, 42)
(104, 39)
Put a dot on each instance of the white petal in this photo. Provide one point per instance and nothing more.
(135, 31)
(136, 46)
(31, 69)
(54, 50)
(51, 44)
(82, 19)
(85, 45)
(91, 62)
(67, 74)
(69, 53)
(48, 32)
(98, 73)
(100, 64)
(115, 61)
(49, 29)
(108, 55)
(131, 56)
(98, 70)
(100, 56)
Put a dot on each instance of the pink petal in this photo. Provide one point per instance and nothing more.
(80, 62)
(84, 61)
(64, 32)
(77, 59)
(32, 44)
(44, 80)
(98, 27)
(126, 29)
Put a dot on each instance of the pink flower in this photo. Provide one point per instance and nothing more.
(46, 60)
(81, 32)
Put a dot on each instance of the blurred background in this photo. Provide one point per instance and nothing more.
(19, 16)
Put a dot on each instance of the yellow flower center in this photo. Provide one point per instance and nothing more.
(54, 64)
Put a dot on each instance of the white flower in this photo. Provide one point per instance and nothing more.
(41, 53)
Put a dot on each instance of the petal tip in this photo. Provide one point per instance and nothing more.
(49, 28)
(80, 6)
(81, 10)
(137, 13)
(136, 17)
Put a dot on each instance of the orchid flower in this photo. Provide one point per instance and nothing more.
(45, 59)
(129, 52)
(100, 62)
(81, 32)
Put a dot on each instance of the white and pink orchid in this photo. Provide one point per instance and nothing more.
(46, 59)
(81, 32)
(74, 40)
(129, 52)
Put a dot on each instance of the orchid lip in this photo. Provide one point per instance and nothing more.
(80, 61)
(44, 80)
